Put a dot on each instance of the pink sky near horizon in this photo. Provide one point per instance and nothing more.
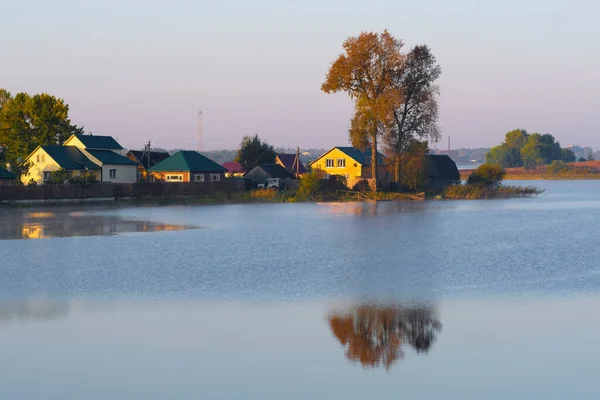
(141, 71)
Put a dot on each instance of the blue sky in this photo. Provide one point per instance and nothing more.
(141, 70)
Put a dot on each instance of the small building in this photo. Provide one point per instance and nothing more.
(188, 166)
(46, 159)
(234, 169)
(348, 162)
(106, 152)
(145, 160)
(262, 172)
(441, 172)
(7, 178)
(291, 162)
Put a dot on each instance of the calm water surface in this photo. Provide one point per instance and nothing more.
(466, 300)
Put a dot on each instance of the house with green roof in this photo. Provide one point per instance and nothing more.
(7, 178)
(82, 155)
(188, 166)
(106, 152)
(46, 159)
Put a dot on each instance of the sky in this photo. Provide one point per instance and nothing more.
(141, 70)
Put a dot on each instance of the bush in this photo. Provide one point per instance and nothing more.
(556, 167)
(308, 187)
(480, 192)
(362, 186)
(32, 182)
(487, 175)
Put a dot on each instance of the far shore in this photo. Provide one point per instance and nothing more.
(587, 170)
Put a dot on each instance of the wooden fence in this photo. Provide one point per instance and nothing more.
(118, 190)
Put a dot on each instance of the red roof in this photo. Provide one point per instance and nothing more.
(233, 167)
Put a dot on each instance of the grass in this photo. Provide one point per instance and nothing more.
(480, 192)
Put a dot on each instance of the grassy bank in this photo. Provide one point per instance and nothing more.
(481, 192)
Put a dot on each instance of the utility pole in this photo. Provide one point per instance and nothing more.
(297, 162)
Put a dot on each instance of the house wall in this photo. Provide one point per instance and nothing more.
(36, 171)
(125, 173)
(6, 182)
(353, 169)
(161, 176)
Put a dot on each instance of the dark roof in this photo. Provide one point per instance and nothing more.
(4, 174)
(110, 157)
(274, 171)
(186, 160)
(155, 157)
(289, 163)
(233, 166)
(442, 167)
(70, 157)
(354, 153)
(360, 155)
(99, 142)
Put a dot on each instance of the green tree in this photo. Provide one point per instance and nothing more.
(530, 153)
(308, 187)
(417, 114)
(253, 152)
(567, 155)
(366, 71)
(30, 121)
(504, 156)
(516, 138)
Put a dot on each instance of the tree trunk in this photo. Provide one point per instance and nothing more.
(374, 159)
(397, 168)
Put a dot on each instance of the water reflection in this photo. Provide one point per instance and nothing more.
(371, 208)
(42, 225)
(375, 335)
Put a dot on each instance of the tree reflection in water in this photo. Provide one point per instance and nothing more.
(375, 335)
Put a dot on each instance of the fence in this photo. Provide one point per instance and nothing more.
(116, 190)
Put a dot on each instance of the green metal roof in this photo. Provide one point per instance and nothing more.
(186, 160)
(99, 142)
(4, 174)
(70, 157)
(110, 157)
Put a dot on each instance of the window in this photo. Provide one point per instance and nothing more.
(346, 176)
(112, 174)
(37, 158)
(329, 163)
(81, 173)
(199, 177)
(174, 178)
(215, 177)
(341, 163)
(46, 176)
(43, 158)
(327, 176)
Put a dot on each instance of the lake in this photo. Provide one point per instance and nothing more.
(441, 299)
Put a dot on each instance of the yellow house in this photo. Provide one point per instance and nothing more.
(47, 159)
(348, 162)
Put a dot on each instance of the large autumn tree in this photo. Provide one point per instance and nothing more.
(366, 71)
(395, 94)
(30, 121)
